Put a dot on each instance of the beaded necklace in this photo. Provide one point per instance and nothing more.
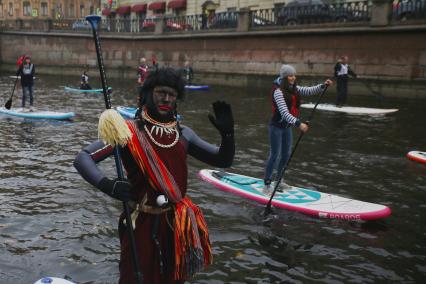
(160, 127)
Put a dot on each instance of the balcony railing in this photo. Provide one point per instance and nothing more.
(403, 10)
(311, 14)
(347, 13)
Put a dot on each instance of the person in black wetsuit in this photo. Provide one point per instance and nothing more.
(155, 162)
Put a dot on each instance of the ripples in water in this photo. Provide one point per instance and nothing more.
(53, 223)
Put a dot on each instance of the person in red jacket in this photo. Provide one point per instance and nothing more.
(27, 73)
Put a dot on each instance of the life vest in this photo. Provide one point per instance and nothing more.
(292, 101)
(20, 60)
(142, 72)
(293, 104)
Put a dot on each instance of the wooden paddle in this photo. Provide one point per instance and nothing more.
(8, 104)
(268, 209)
(94, 23)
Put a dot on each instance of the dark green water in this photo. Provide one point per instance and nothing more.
(52, 223)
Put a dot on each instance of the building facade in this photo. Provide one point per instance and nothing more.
(43, 9)
(144, 8)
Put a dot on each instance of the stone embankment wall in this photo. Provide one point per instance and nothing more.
(392, 59)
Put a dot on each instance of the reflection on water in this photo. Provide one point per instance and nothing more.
(53, 223)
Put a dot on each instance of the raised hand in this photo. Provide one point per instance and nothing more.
(222, 119)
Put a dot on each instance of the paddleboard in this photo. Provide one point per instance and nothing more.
(53, 280)
(18, 77)
(350, 110)
(307, 201)
(196, 87)
(74, 90)
(417, 156)
(129, 112)
(19, 112)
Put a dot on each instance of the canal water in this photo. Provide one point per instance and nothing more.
(53, 223)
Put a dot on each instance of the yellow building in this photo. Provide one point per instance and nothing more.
(41, 9)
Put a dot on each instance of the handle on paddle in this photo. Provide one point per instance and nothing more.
(94, 23)
(281, 174)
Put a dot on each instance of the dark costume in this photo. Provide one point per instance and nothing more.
(172, 242)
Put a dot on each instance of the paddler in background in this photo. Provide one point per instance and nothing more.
(172, 239)
(341, 73)
(142, 73)
(27, 73)
(84, 82)
(187, 73)
(285, 96)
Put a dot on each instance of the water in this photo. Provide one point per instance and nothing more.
(53, 223)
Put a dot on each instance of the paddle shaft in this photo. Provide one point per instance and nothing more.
(8, 104)
(94, 20)
(281, 174)
(376, 93)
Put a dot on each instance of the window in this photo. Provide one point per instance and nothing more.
(82, 11)
(92, 10)
(71, 11)
(43, 9)
(1, 9)
(10, 10)
(27, 8)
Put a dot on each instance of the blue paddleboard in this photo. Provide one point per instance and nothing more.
(25, 113)
(129, 112)
(53, 280)
(197, 87)
(74, 90)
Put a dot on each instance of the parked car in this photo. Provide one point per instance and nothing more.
(409, 9)
(81, 25)
(311, 11)
(223, 21)
(176, 26)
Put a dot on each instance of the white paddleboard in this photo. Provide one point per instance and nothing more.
(417, 156)
(307, 201)
(18, 77)
(53, 280)
(350, 110)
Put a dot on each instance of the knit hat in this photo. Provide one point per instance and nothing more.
(287, 70)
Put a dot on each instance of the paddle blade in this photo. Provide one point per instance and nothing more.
(8, 104)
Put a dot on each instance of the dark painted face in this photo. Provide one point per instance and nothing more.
(164, 100)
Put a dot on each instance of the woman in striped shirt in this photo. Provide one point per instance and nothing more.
(285, 113)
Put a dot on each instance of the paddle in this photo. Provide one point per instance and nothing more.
(376, 93)
(94, 22)
(281, 174)
(8, 104)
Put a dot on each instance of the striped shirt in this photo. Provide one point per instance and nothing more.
(282, 106)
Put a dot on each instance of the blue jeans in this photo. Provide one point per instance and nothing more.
(27, 91)
(280, 140)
